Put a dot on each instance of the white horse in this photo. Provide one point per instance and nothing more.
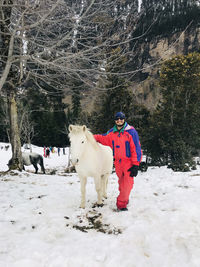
(90, 159)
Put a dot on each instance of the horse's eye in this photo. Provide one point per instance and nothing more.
(82, 142)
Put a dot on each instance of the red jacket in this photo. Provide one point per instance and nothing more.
(124, 143)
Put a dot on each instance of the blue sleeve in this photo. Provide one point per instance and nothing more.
(136, 141)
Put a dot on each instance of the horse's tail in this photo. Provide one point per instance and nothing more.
(42, 164)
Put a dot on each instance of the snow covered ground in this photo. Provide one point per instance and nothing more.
(41, 224)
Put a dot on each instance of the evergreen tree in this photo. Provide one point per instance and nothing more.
(117, 96)
(175, 126)
(47, 113)
(161, 17)
(76, 105)
(77, 87)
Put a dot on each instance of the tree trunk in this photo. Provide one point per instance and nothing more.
(14, 132)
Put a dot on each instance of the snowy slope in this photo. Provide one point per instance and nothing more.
(42, 225)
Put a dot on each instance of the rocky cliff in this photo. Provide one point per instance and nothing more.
(156, 51)
(150, 56)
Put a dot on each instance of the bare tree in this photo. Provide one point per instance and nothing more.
(26, 127)
(51, 41)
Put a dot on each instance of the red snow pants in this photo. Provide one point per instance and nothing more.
(125, 182)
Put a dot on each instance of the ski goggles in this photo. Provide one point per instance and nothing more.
(116, 119)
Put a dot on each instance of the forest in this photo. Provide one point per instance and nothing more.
(50, 49)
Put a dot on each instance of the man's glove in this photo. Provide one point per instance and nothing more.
(133, 170)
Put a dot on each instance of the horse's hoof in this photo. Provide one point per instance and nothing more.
(97, 205)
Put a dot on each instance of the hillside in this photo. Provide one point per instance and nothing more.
(42, 224)
(145, 84)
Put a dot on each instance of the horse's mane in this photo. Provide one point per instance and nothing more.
(91, 138)
(78, 129)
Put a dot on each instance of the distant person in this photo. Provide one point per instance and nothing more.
(58, 151)
(63, 151)
(47, 152)
(124, 141)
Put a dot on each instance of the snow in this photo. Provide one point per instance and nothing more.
(42, 225)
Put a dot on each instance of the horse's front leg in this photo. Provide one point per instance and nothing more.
(83, 181)
(98, 187)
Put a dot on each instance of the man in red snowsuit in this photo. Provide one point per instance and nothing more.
(124, 141)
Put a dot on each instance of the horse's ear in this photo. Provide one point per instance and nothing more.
(84, 128)
(70, 128)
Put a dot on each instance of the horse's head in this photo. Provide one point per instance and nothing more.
(78, 140)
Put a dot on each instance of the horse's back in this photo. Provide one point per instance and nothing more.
(28, 158)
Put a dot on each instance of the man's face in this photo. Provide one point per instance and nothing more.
(119, 122)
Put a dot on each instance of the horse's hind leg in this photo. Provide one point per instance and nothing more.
(36, 168)
(42, 164)
(83, 181)
(104, 182)
(42, 168)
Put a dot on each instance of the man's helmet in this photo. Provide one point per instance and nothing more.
(119, 115)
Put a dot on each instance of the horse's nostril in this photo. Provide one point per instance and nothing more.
(77, 160)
